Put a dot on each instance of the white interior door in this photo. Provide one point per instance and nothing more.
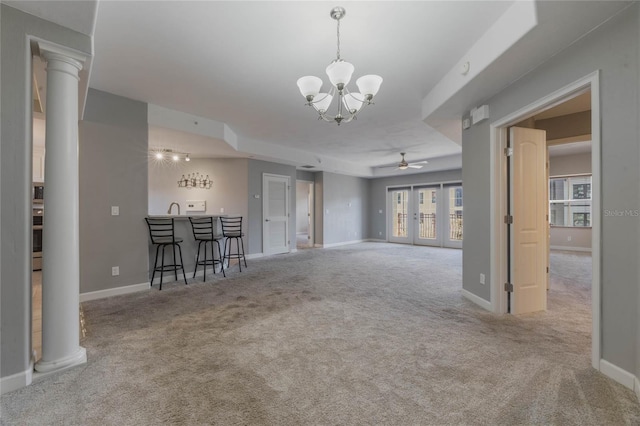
(400, 225)
(275, 214)
(529, 207)
(427, 216)
(453, 216)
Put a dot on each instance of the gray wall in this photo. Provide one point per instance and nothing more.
(228, 192)
(113, 172)
(476, 172)
(566, 126)
(378, 196)
(345, 208)
(575, 164)
(15, 177)
(613, 49)
(305, 175)
(254, 228)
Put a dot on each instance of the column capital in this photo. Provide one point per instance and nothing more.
(55, 52)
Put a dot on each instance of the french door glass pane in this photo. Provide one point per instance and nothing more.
(400, 206)
(455, 213)
(427, 207)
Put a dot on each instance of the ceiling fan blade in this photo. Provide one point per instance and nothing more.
(415, 166)
(420, 162)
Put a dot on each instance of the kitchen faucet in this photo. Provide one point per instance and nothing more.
(171, 206)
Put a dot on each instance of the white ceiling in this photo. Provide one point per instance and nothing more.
(237, 63)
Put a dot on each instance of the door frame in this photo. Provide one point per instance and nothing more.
(265, 199)
(498, 198)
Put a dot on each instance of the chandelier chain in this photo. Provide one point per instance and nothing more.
(338, 33)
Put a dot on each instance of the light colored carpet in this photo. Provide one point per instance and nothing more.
(367, 334)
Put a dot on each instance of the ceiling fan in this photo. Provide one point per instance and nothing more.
(404, 165)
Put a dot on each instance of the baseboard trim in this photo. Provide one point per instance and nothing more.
(477, 300)
(116, 291)
(344, 243)
(16, 381)
(566, 248)
(375, 240)
(254, 256)
(637, 388)
(618, 374)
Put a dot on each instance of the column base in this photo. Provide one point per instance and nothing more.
(46, 368)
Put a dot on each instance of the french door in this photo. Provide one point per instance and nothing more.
(426, 215)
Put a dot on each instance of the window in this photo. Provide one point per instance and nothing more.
(570, 201)
(458, 197)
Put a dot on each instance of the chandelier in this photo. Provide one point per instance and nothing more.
(195, 181)
(339, 72)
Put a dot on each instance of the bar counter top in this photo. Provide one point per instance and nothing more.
(182, 216)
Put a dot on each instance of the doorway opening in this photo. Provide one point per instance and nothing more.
(304, 214)
(507, 251)
(37, 196)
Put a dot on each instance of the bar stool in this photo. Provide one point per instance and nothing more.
(232, 230)
(203, 233)
(162, 234)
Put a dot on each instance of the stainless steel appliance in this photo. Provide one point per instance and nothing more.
(38, 223)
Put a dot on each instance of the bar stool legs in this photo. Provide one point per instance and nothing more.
(213, 261)
(166, 268)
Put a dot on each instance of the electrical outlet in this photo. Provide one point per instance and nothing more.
(380, 233)
(221, 210)
(569, 238)
(481, 278)
(115, 210)
(115, 271)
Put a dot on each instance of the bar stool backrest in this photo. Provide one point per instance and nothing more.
(161, 230)
(202, 227)
(231, 226)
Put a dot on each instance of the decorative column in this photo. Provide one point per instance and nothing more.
(60, 240)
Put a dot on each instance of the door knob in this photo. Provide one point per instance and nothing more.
(266, 220)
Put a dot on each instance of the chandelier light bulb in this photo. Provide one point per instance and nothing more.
(369, 84)
(175, 157)
(187, 158)
(309, 86)
(340, 73)
(353, 102)
(159, 155)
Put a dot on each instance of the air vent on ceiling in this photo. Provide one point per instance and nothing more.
(308, 167)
